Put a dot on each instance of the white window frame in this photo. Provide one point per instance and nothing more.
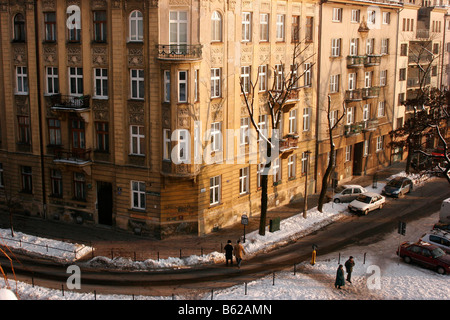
(136, 26)
(371, 16)
(78, 79)
(216, 91)
(386, 17)
(167, 85)
(53, 78)
(334, 114)
(355, 16)
(370, 44)
(348, 153)
(138, 189)
(354, 46)
(352, 81)
(216, 136)
(245, 78)
(334, 83)
(262, 74)
(181, 26)
(216, 27)
(337, 15)
(380, 141)
(182, 83)
(167, 144)
(336, 47)
(304, 162)
(137, 137)
(368, 79)
(384, 46)
(262, 125)
(279, 76)
(101, 83)
(196, 83)
(349, 115)
(292, 166)
(246, 26)
(381, 109)
(281, 22)
(244, 131)
(276, 170)
(366, 112)
(264, 27)
(244, 180)
(135, 81)
(293, 121)
(215, 186)
(307, 74)
(383, 78)
(306, 119)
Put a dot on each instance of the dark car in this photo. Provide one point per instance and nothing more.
(442, 226)
(426, 254)
(398, 187)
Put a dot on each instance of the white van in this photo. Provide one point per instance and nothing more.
(444, 215)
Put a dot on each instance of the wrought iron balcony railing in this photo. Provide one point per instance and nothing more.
(355, 61)
(180, 51)
(372, 60)
(353, 95)
(77, 157)
(371, 92)
(288, 143)
(69, 102)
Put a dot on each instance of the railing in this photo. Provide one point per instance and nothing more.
(71, 103)
(423, 34)
(355, 61)
(415, 83)
(353, 129)
(180, 51)
(372, 60)
(353, 95)
(73, 156)
(369, 93)
(288, 143)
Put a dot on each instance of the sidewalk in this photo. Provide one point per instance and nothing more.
(111, 243)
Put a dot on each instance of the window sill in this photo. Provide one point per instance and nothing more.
(139, 210)
(100, 98)
(214, 205)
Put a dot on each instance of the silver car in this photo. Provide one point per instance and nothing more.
(347, 193)
(439, 238)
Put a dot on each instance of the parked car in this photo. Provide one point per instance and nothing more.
(398, 187)
(442, 226)
(425, 254)
(347, 193)
(366, 202)
(439, 238)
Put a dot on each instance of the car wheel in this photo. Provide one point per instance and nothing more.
(337, 200)
(407, 259)
(441, 270)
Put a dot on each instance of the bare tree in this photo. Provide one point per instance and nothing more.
(331, 160)
(284, 86)
(11, 202)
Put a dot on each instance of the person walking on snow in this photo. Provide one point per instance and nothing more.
(228, 252)
(340, 280)
(349, 264)
(239, 252)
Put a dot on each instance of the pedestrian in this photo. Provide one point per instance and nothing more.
(340, 280)
(349, 264)
(228, 252)
(239, 252)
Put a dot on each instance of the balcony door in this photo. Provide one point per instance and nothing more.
(78, 137)
(178, 31)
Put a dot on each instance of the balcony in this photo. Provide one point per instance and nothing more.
(353, 129)
(415, 82)
(180, 52)
(70, 103)
(370, 93)
(353, 95)
(355, 61)
(372, 60)
(369, 125)
(423, 34)
(78, 157)
(288, 143)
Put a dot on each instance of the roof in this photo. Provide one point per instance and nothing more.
(352, 186)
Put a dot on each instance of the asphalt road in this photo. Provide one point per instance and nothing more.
(351, 230)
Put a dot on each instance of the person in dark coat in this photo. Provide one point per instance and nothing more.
(239, 252)
(349, 264)
(340, 280)
(228, 252)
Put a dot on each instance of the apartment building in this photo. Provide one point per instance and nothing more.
(357, 63)
(108, 105)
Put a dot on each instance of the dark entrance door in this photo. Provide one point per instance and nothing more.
(104, 202)
(358, 159)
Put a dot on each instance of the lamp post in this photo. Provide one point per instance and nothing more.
(305, 203)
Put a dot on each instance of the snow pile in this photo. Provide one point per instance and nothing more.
(417, 178)
(54, 249)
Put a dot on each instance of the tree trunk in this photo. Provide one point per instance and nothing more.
(264, 191)
(11, 222)
(325, 179)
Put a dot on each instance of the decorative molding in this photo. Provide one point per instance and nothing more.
(101, 109)
(99, 4)
(49, 5)
(74, 55)
(136, 57)
(50, 56)
(136, 112)
(99, 56)
(179, 2)
(20, 54)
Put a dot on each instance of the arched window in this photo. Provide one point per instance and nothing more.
(216, 26)
(136, 26)
(19, 27)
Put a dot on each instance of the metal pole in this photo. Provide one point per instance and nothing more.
(305, 203)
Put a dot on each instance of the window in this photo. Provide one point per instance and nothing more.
(276, 170)
(334, 115)
(183, 151)
(291, 166)
(19, 28)
(102, 129)
(196, 82)
(52, 80)
(178, 30)
(309, 31)
(354, 46)
(380, 141)
(383, 78)
(100, 27)
(27, 182)
(304, 162)
(76, 81)
(385, 46)
(78, 134)
(2, 180)
(243, 180)
(264, 27)
(137, 83)
(295, 29)
(404, 49)
(24, 129)
(279, 77)
(335, 47)
(167, 144)
(351, 81)
(262, 125)
(216, 27)
(101, 83)
(21, 80)
(182, 86)
(402, 74)
(306, 119)
(246, 26)
(401, 98)
(137, 140)
(54, 132)
(280, 27)
(74, 33)
(337, 15)
(356, 13)
(386, 17)
(370, 45)
(216, 136)
(214, 190)
(368, 79)
(366, 148)
(244, 132)
(262, 74)
(215, 83)
(293, 121)
(259, 175)
(166, 85)
(371, 16)
(436, 48)
(350, 115)
(348, 153)
(50, 26)
(366, 112)
(245, 78)
(334, 83)
(136, 26)
(307, 74)
(381, 109)
(56, 183)
(138, 195)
